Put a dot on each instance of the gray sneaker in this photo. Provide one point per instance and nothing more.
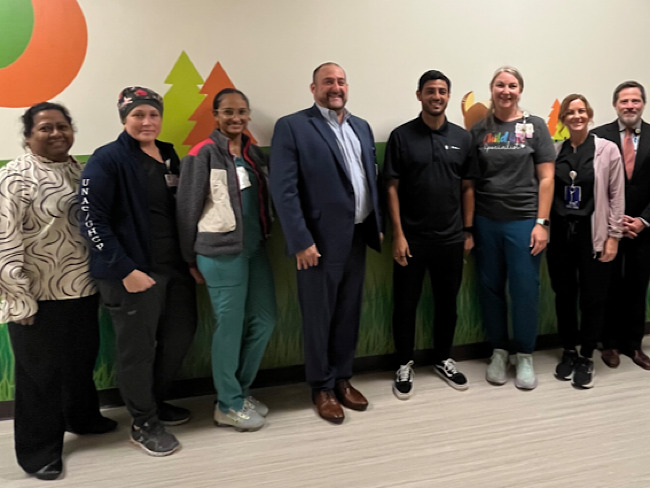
(526, 379)
(154, 439)
(252, 403)
(498, 367)
(243, 420)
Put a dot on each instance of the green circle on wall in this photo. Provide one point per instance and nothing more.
(16, 25)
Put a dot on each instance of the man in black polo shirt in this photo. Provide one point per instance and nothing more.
(431, 205)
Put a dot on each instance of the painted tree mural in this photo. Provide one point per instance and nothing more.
(181, 100)
(557, 129)
(216, 81)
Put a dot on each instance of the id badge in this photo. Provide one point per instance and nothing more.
(572, 197)
(171, 180)
(244, 179)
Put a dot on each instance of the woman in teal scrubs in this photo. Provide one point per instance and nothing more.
(223, 217)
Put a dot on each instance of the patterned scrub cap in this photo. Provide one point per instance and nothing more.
(132, 96)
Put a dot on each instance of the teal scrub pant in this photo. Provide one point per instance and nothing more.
(242, 293)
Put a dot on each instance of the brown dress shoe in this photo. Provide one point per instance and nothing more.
(641, 359)
(611, 357)
(328, 407)
(349, 396)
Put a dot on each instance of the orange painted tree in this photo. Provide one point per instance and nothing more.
(557, 129)
(216, 81)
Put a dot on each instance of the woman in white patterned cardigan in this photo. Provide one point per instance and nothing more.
(46, 294)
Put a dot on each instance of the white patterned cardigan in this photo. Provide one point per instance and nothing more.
(42, 254)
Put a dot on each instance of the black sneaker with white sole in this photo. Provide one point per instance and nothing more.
(565, 368)
(447, 371)
(154, 439)
(583, 375)
(403, 384)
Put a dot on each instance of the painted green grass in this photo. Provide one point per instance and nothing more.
(6, 365)
(285, 346)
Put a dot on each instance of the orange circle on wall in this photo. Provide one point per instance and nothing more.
(52, 58)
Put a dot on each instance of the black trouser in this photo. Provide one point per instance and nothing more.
(445, 266)
(153, 331)
(54, 363)
(626, 306)
(577, 275)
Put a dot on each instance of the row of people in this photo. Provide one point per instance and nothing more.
(495, 188)
(446, 189)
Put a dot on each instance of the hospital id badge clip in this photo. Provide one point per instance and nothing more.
(171, 179)
(572, 197)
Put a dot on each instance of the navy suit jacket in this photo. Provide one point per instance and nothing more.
(637, 188)
(311, 188)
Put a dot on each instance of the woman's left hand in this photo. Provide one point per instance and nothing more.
(609, 250)
(538, 239)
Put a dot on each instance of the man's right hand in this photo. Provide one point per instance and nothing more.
(307, 257)
(401, 250)
(137, 281)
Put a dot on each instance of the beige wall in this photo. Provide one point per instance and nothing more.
(270, 47)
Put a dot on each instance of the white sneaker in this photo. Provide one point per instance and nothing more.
(526, 379)
(497, 369)
(243, 420)
(252, 403)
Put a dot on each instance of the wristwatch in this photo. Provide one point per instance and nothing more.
(544, 222)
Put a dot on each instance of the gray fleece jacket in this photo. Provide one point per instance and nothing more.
(208, 200)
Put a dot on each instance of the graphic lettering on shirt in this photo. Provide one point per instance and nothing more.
(504, 140)
(88, 224)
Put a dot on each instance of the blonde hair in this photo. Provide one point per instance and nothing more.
(510, 70)
(489, 116)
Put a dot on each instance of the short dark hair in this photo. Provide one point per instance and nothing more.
(433, 74)
(31, 112)
(322, 65)
(628, 84)
(216, 101)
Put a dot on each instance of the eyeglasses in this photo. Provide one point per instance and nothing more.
(231, 112)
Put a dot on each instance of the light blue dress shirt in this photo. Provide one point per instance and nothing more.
(350, 148)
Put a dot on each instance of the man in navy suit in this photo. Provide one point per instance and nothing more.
(323, 179)
(626, 309)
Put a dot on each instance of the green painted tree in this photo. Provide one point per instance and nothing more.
(181, 100)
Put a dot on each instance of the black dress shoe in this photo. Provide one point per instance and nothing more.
(50, 471)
